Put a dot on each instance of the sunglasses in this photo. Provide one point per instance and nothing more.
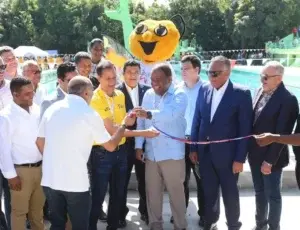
(266, 77)
(2, 67)
(214, 73)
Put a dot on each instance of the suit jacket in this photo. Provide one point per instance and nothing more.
(232, 119)
(278, 116)
(128, 102)
(296, 149)
(47, 102)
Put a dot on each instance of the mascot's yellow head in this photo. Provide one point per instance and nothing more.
(154, 41)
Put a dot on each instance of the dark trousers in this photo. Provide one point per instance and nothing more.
(7, 206)
(3, 224)
(268, 197)
(139, 167)
(212, 179)
(297, 173)
(200, 194)
(76, 204)
(107, 168)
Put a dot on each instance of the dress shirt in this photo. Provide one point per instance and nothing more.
(18, 134)
(216, 99)
(69, 127)
(5, 95)
(134, 95)
(40, 95)
(192, 94)
(168, 115)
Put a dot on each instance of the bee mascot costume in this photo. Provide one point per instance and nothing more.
(155, 42)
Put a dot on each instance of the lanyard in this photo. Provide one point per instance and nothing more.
(111, 106)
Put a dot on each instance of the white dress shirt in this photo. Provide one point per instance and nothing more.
(134, 95)
(18, 134)
(5, 94)
(70, 128)
(217, 97)
(40, 95)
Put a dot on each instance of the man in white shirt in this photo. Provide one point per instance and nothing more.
(5, 94)
(67, 132)
(5, 99)
(7, 53)
(31, 71)
(20, 159)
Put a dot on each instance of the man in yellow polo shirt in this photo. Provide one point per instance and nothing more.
(110, 167)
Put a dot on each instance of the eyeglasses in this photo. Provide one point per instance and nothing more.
(214, 73)
(3, 67)
(37, 72)
(266, 77)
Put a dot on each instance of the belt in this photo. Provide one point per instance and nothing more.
(101, 148)
(30, 165)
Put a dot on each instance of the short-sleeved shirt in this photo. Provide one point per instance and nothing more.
(109, 107)
(70, 128)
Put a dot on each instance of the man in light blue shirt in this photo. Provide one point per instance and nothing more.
(190, 70)
(163, 107)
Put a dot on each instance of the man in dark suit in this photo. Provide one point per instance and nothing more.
(275, 111)
(134, 93)
(223, 111)
(296, 150)
(65, 72)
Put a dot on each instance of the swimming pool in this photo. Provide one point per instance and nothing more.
(249, 76)
(244, 75)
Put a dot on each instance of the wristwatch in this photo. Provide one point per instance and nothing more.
(149, 115)
(123, 126)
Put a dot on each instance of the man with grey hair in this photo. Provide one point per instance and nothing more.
(275, 110)
(31, 71)
(66, 135)
(223, 111)
(7, 53)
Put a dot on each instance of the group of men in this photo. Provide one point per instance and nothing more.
(69, 148)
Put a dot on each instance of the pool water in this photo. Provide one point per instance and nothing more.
(244, 75)
(249, 77)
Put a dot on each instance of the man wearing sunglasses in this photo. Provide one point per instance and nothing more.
(275, 110)
(31, 71)
(223, 111)
(5, 94)
(65, 72)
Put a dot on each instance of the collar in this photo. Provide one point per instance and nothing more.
(101, 92)
(223, 87)
(59, 89)
(75, 98)
(270, 93)
(171, 89)
(129, 89)
(198, 84)
(21, 110)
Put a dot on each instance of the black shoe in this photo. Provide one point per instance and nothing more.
(145, 218)
(110, 228)
(172, 220)
(260, 228)
(210, 227)
(201, 222)
(122, 223)
(28, 226)
(103, 216)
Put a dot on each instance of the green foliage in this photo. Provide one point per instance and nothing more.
(67, 25)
